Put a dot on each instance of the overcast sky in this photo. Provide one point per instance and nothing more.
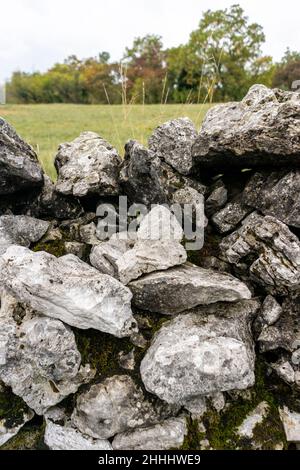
(34, 34)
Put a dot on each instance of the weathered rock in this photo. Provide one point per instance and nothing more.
(68, 289)
(19, 166)
(20, 230)
(271, 310)
(275, 194)
(184, 287)
(67, 438)
(104, 256)
(88, 234)
(284, 370)
(216, 200)
(291, 424)
(114, 406)
(160, 224)
(88, 165)
(172, 142)
(274, 250)
(75, 248)
(39, 358)
(148, 256)
(167, 435)
(285, 333)
(230, 216)
(146, 179)
(50, 203)
(255, 417)
(261, 130)
(206, 351)
(127, 361)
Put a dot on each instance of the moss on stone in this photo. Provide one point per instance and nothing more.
(30, 437)
(194, 436)
(221, 427)
(12, 408)
(54, 247)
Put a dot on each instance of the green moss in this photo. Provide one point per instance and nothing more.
(30, 437)
(194, 436)
(55, 247)
(12, 408)
(221, 427)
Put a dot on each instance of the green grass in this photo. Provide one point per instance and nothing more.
(45, 126)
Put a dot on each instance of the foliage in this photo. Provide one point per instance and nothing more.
(220, 61)
(287, 72)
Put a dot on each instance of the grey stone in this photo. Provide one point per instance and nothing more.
(104, 256)
(255, 417)
(67, 438)
(19, 166)
(284, 370)
(206, 351)
(285, 333)
(274, 250)
(291, 424)
(88, 165)
(230, 216)
(261, 130)
(184, 287)
(271, 310)
(148, 256)
(146, 179)
(216, 200)
(114, 406)
(20, 230)
(160, 224)
(172, 142)
(167, 435)
(127, 361)
(75, 248)
(68, 289)
(275, 194)
(50, 203)
(39, 358)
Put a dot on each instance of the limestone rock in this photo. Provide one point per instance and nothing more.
(160, 224)
(285, 333)
(68, 289)
(148, 256)
(271, 310)
(184, 287)
(206, 351)
(274, 250)
(255, 417)
(146, 179)
(261, 130)
(172, 142)
(275, 194)
(104, 256)
(230, 216)
(20, 230)
(67, 438)
(163, 436)
(216, 200)
(114, 406)
(50, 203)
(88, 165)
(291, 424)
(19, 166)
(39, 358)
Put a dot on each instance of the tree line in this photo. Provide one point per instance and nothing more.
(221, 60)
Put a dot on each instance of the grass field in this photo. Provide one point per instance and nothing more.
(46, 126)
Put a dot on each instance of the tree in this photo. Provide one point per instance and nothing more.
(219, 55)
(287, 72)
(145, 69)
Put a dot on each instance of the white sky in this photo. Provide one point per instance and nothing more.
(34, 34)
